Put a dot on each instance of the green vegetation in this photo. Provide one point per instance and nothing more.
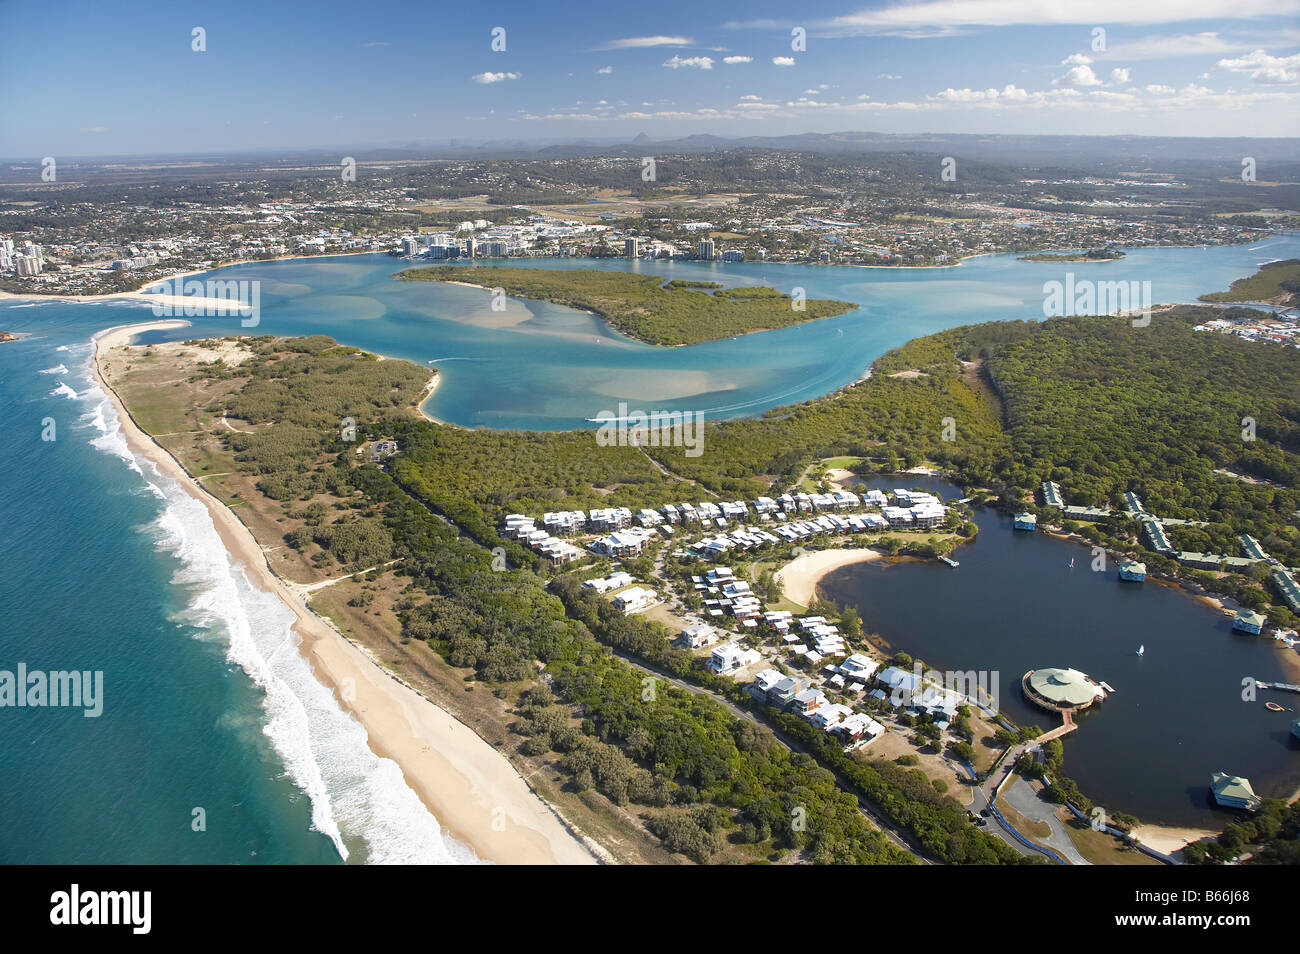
(1095, 404)
(1092, 255)
(1271, 836)
(682, 312)
(1277, 282)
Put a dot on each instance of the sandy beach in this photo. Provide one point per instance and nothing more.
(470, 787)
(799, 577)
(1169, 840)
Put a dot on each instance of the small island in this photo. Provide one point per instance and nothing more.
(1091, 255)
(644, 306)
(7, 336)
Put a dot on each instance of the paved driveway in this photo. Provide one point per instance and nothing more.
(1021, 796)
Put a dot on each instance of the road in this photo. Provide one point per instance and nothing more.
(891, 831)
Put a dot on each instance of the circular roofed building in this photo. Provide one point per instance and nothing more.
(1061, 689)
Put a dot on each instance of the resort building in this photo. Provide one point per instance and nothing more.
(636, 598)
(1156, 536)
(1251, 547)
(1089, 514)
(730, 657)
(698, 636)
(1133, 571)
(1024, 521)
(1248, 621)
(1061, 689)
(1285, 582)
(1052, 495)
(1234, 791)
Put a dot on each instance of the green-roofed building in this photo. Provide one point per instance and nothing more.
(1061, 689)
(1133, 571)
(1248, 621)
(1234, 791)
(1052, 494)
(1286, 584)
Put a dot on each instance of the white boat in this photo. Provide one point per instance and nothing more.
(1142, 650)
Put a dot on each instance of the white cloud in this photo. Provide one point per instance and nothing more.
(641, 42)
(783, 60)
(486, 78)
(1078, 76)
(888, 76)
(919, 18)
(1119, 75)
(605, 70)
(1076, 59)
(1264, 69)
(1010, 93)
(1168, 46)
(733, 60)
(691, 62)
(1156, 89)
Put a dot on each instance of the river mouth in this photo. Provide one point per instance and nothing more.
(1015, 604)
(540, 366)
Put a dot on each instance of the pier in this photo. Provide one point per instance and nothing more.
(1279, 686)
(950, 561)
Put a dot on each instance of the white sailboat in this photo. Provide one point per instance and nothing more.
(1142, 650)
(1071, 563)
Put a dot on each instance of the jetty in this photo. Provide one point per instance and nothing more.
(1280, 686)
(950, 561)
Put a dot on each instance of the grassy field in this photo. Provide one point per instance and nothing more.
(1265, 285)
(639, 305)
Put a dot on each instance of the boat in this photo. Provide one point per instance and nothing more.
(1142, 650)
(1071, 563)
(1274, 707)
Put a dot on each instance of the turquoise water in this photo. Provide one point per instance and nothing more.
(107, 566)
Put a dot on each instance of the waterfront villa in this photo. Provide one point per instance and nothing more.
(1061, 690)
(1234, 791)
(1248, 621)
(1024, 521)
(1132, 570)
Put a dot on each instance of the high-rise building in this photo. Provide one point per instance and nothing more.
(705, 250)
(733, 255)
(632, 247)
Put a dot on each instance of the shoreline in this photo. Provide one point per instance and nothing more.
(799, 577)
(129, 295)
(471, 788)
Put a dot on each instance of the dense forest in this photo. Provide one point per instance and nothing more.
(642, 306)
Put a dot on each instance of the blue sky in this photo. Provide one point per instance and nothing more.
(90, 78)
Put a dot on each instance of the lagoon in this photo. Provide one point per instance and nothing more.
(1015, 604)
